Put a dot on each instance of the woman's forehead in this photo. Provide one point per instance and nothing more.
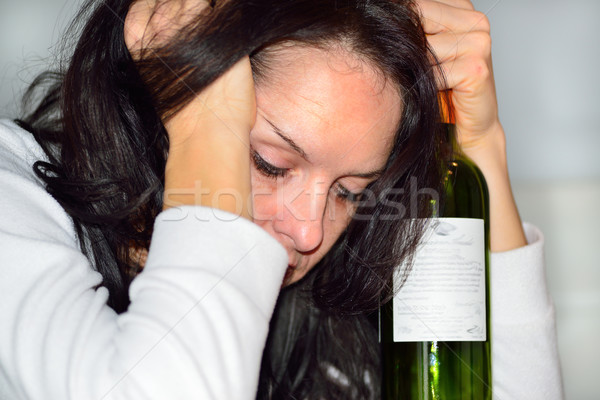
(327, 100)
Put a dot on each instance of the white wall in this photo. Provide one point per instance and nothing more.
(546, 56)
(29, 29)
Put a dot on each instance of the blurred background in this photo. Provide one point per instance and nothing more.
(546, 56)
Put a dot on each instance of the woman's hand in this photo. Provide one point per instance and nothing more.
(460, 39)
(209, 158)
(151, 23)
(209, 149)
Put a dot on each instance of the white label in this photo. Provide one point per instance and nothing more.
(443, 298)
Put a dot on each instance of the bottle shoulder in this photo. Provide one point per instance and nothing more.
(466, 193)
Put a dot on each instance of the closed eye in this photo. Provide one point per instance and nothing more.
(271, 171)
(343, 193)
(267, 169)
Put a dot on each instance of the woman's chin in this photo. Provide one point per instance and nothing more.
(293, 275)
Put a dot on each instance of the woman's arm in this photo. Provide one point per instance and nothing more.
(460, 38)
(525, 357)
(199, 312)
(209, 146)
(209, 156)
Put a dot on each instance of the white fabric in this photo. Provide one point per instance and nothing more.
(199, 311)
(525, 360)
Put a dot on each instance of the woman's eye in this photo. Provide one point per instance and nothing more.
(272, 171)
(346, 195)
(266, 168)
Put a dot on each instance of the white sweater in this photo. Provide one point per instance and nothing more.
(200, 310)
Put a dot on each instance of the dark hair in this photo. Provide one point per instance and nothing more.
(100, 124)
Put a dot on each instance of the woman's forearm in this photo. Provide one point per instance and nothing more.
(212, 167)
(506, 231)
(209, 157)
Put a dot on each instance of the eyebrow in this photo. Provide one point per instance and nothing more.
(288, 140)
(370, 174)
(298, 149)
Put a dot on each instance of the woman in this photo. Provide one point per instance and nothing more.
(176, 124)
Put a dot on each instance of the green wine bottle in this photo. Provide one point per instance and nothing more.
(435, 332)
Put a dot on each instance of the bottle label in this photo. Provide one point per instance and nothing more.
(443, 297)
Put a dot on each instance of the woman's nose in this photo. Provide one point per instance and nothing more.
(301, 214)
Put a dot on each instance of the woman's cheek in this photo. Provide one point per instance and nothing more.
(338, 215)
(264, 198)
(340, 212)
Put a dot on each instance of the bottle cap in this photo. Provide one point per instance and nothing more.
(445, 103)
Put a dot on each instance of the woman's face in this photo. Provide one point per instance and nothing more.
(324, 129)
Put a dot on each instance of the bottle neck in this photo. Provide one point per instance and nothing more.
(451, 149)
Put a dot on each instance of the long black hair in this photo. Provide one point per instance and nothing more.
(101, 124)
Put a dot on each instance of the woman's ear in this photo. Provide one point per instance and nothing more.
(151, 23)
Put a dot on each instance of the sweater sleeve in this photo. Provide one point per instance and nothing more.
(199, 312)
(525, 360)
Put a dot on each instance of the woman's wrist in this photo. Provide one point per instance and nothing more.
(211, 168)
(489, 153)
